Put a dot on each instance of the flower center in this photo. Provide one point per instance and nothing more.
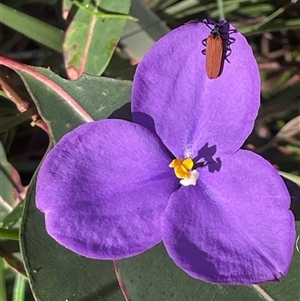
(183, 169)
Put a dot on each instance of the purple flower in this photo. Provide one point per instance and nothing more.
(108, 192)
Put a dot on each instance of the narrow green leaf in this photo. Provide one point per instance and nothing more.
(33, 28)
(97, 11)
(19, 288)
(9, 233)
(274, 25)
(6, 185)
(14, 262)
(221, 10)
(13, 218)
(291, 177)
(66, 7)
(10, 122)
(91, 37)
(3, 296)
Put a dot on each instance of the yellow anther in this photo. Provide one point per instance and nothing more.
(175, 163)
(182, 167)
(188, 163)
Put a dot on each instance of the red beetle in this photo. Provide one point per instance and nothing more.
(217, 44)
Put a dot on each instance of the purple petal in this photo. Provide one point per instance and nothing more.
(234, 226)
(103, 189)
(173, 96)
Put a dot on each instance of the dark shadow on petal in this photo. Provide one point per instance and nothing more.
(144, 120)
(294, 191)
(123, 112)
(205, 154)
(148, 122)
(205, 157)
(196, 259)
(215, 165)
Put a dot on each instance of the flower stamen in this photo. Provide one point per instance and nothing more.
(183, 169)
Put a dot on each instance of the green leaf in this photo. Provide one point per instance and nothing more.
(10, 122)
(89, 98)
(9, 233)
(34, 29)
(93, 9)
(19, 288)
(66, 7)
(91, 37)
(6, 185)
(54, 272)
(2, 281)
(154, 276)
(65, 104)
(12, 218)
(291, 177)
(12, 260)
